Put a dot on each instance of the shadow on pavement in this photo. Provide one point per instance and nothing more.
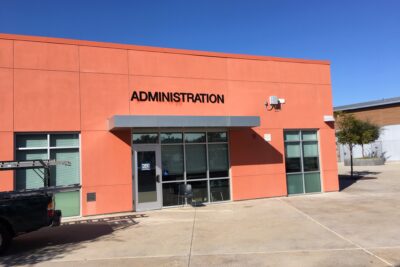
(53, 242)
(346, 181)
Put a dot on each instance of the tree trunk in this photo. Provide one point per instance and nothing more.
(351, 161)
(362, 149)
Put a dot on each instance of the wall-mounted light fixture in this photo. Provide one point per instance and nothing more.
(329, 118)
(274, 103)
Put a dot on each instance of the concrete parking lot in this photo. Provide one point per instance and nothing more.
(359, 226)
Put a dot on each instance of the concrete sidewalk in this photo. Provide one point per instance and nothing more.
(359, 226)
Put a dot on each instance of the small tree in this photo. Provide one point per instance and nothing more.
(369, 133)
(352, 131)
(349, 133)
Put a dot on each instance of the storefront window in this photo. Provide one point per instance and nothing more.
(219, 190)
(195, 137)
(65, 175)
(30, 178)
(172, 162)
(295, 183)
(68, 203)
(200, 159)
(293, 157)
(145, 138)
(171, 138)
(309, 135)
(302, 161)
(292, 136)
(52, 146)
(172, 195)
(218, 160)
(312, 182)
(32, 141)
(200, 192)
(310, 156)
(64, 140)
(196, 161)
(217, 137)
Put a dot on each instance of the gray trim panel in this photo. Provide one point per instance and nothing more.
(369, 104)
(141, 121)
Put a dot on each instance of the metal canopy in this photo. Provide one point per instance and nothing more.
(147, 121)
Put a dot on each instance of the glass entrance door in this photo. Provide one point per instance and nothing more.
(146, 175)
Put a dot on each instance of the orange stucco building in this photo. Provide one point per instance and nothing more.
(138, 123)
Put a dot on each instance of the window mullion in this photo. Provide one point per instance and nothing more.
(208, 171)
(48, 146)
(184, 162)
(302, 161)
(48, 153)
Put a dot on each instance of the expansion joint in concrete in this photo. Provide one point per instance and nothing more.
(336, 233)
(191, 240)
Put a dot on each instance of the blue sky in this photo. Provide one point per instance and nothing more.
(361, 38)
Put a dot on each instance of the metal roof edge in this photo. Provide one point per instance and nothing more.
(368, 104)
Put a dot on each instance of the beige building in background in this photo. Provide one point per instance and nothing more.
(386, 114)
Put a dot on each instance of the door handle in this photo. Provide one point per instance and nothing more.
(157, 178)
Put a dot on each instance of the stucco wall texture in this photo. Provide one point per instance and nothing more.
(53, 85)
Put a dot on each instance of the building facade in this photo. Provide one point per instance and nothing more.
(138, 122)
(386, 114)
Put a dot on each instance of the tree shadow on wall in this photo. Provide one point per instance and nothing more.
(247, 147)
(54, 242)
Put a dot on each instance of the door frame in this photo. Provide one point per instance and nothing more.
(149, 205)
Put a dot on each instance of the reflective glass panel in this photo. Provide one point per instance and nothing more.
(218, 160)
(217, 137)
(171, 194)
(310, 149)
(195, 137)
(65, 175)
(293, 157)
(146, 169)
(68, 203)
(172, 162)
(30, 178)
(309, 135)
(295, 183)
(145, 138)
(68, 140)
(171, 138)
(312, 182)
(310, 164)
(292, 136)
(292, 150)
(219, 190)
(200, 192)
(303, 157)
(310, 156)
(32, 140)
(196, 161)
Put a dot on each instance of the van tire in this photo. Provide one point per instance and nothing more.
(5, 238)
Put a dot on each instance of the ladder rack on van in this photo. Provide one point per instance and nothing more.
(34, 164)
